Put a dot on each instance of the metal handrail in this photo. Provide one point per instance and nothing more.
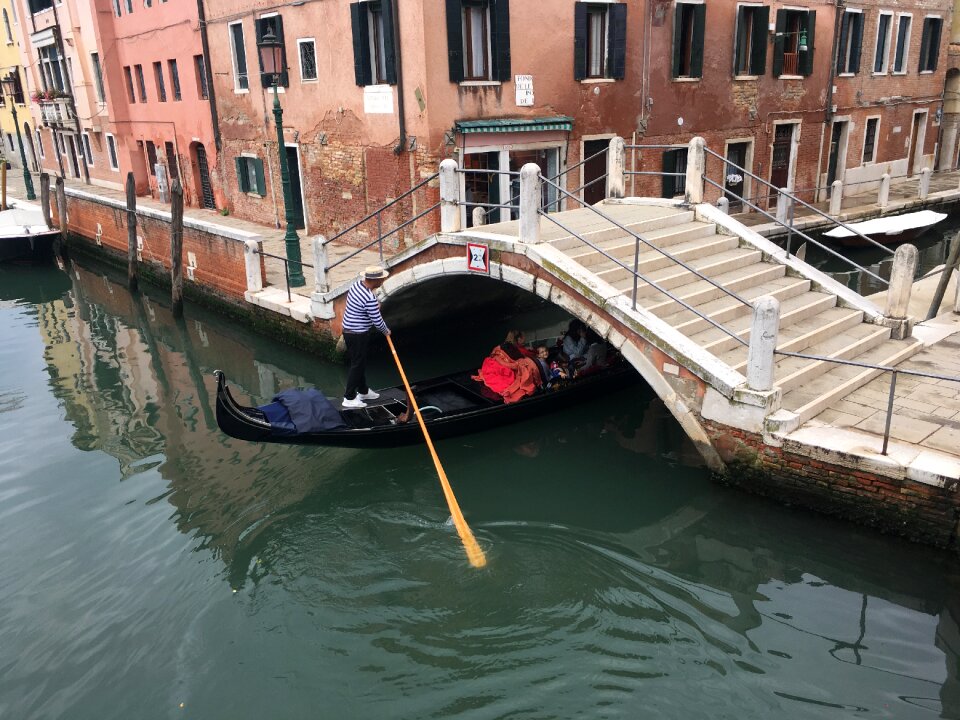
(802, 234)
(286, 268)
(653, 172)
(795, 199)
(381, 238)
(479, 171)
(655, 147)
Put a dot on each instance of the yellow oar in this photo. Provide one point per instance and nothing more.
(474, 553)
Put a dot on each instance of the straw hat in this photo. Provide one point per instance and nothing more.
(375, 272)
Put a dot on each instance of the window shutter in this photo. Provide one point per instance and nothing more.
(857, 43)
(389, 44)
(455, 40)
(933, 49)
(261, 25)
(579, 41)
(758, 53)
(669, 166)
(739, 49)
(696, 51)
(261, 183)
(361, 44)
(500, 38)
(617, 43)
(806, 58)
(842, 45)
(778, 43)
(924, 45)
(677, 26)
(241, 175)
(285, 75)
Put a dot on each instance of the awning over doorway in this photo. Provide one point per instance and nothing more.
(510, 125)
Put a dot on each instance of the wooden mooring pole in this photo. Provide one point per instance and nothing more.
(62, 208)
(176, 247)
(3, 182)
(131, 233)
(45, 198)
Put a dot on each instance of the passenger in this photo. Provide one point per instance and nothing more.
(575, 343)
(515, 345)
(550, 371)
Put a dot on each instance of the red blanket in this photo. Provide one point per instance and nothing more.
(511, 379)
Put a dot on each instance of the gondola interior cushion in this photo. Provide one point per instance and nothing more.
(306, 410)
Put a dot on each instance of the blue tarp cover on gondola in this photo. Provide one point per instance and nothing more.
(293, 412)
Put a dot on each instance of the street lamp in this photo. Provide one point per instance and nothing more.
(10, 88)
(273, 62)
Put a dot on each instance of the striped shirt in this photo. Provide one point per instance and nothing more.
(363, 310)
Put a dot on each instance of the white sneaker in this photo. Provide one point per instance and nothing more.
(357, 402)
(369, 395)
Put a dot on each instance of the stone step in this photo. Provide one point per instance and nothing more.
(652, 260)
(702, 291)
(791, 373)
(816, 396)
(792, 311)
(597, 230)
(624, 246)
(676, 276)
(726, 308)
(804, 334)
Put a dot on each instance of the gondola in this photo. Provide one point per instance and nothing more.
(451, 405)
(887, 230)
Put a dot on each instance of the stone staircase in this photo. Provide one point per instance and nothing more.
(812, 321)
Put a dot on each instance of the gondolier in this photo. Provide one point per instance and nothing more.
(360, 318)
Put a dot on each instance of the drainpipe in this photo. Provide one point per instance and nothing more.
(208, 71)
(401, 146)
(828, 110)
(73, 105)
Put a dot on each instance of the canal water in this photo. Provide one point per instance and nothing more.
(153, 568)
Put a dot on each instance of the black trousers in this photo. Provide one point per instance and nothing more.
(357, 345)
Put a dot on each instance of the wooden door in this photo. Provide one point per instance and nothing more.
(594, 171)
(833, 163)
(915, 147)
(780, 162)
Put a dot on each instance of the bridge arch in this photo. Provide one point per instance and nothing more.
(551, 289)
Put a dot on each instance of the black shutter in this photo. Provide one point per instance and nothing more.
(696, 48)
(579, 41)
(500, 38)
(677, 27)
(806, 58)
(758, 53)
(455, 40)
(669, 166)
(842, 45)
(856, 43)
(389, 44)
(933, 50)
(361, 44)
(241, 175)
(617, 42)
(778, 43)
(924, 45)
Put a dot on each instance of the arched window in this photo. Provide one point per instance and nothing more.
(6, 27)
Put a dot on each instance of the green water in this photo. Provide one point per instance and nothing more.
(150, 562)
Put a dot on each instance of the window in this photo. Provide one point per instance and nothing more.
(152, 157)
(308, 59)
(373, 45)
(40, 145)
(750, 52)
(6, 27)
(903, 43)
(851, 39)
(240, 81)
(112, 152)
(250, 175)
(881, 56)
(870, 139)
(688, 28)
(148, 3)
(116, 8)
(51, 67)
(18, 96)
(930, 44)
(13, 10)
(97, 76)
(175, 80)
(273, 24)
(158, 77)
(201, 69)
(39, 5)
(10, 142)
(87, 150)
(599, 40)
(141, 83)
(674, 171)
(478, 40)
(129, 6)
(128, 76)
(793, 42)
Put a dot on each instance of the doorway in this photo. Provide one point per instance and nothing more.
(836, 163)
(31, 149)
(293, 167)
(781, 161)
(735, 179)
(917, 134)
(72, 154)
(492, 184)
(549, 161)
(482, 189)
(594, 171)
(173, 167)
(203, 176)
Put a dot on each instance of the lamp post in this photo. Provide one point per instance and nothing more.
(10, 87)
(273, 62)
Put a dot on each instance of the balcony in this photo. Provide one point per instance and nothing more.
(56, 113)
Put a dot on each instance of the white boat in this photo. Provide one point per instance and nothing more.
(887, 230)
(24, 235)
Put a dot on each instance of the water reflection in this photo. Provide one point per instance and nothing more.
(618, 573)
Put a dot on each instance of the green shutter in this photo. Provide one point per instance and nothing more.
(778, 43)
(579, 41)
(455, 40)
(806, 58)
(669, 184)
(617, 45)
(500, 39)
(677, 27)
(933, 51)
(361, 44)
(696, 49)
(261, 182)
(389, 44)
(241, 175)
(924, 46)
(857, 43)
(739, 48)
(758, 53)
(842, 44)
